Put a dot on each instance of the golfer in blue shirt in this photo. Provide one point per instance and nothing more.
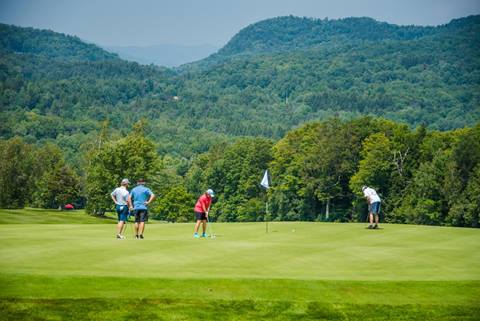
(140, 197)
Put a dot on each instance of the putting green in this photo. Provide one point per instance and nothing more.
(300, 270)
(299, 250)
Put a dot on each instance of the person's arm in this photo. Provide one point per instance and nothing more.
(129, 201)
(202, 201)
(367, 196)
(113, 197)
(208, 209)
(151, 198)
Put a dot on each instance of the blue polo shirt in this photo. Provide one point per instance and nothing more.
(140, 194)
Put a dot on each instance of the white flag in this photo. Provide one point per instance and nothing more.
(264, 182)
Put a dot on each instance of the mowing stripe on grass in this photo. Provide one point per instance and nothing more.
(355, 292)
(221, 310)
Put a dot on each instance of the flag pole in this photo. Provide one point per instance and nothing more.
(266, 185)
(266, 216)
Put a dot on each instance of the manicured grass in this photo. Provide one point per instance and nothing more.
(299, 271)
(321, 251)
(41, 216)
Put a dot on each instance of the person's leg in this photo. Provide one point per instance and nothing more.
(143, 220)
(136, 228)
(376, 211)
(197, 225)
(204, 228)
(121, 221)
(124, 227)
(120, 227)
(137, 222)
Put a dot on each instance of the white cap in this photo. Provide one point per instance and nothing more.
(364, 187)
(210, 192)
(125, 181)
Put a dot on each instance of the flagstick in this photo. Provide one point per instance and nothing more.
(265, 184)
(266, 218)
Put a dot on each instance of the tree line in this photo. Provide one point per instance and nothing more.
(423, 176)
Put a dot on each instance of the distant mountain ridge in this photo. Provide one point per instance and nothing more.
(289, 33)
(272, 76)
(49, 44)
(167, 55)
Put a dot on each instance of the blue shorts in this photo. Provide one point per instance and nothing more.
(141, 216)
(200, 216)
(122, 212)
(375, 208)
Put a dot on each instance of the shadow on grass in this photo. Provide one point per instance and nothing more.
(168, 309)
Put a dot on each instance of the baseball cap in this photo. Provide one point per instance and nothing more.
(364, 187)
(210, 192)
(125, 181)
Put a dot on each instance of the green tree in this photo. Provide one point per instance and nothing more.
(131, 157)
(234, 172)
(425, 201)
(176, 205)
(57, 187)
(375, 167)
(57, 183)
(17, 175)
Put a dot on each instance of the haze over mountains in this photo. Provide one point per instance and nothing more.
(167, 55)
(270, 77)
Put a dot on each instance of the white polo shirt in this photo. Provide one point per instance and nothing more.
(372, 194)
(121, 195)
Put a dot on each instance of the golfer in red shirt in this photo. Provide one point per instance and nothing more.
(201, 211)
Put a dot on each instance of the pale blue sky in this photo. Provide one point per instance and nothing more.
(188, 22)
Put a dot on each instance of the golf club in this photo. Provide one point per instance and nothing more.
(212, 235)
(126, 223)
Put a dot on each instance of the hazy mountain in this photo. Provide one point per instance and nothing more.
(272, 76)
(164, 55)
(290, 33)
(49, 44)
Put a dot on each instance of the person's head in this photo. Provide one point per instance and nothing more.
(125, 182)
(210, 192)
(141, 181)
(364, 187)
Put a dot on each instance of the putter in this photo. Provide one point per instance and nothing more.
(126, 223)
(212, 235)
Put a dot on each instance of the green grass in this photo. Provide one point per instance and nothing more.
(299, 271)
(41, 216)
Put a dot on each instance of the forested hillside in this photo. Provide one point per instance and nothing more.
(316, 171)
(272, 76)
(68, 111)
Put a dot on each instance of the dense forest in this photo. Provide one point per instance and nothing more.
(58, 88)
(317, 170)
(289, 94)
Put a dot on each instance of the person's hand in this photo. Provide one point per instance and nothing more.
(145, 203)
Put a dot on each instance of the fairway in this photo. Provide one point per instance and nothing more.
(300, 270)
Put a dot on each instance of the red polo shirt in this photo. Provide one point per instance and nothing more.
(206, 200)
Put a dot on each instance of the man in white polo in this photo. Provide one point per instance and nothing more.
(373, 204)
(120, 198)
